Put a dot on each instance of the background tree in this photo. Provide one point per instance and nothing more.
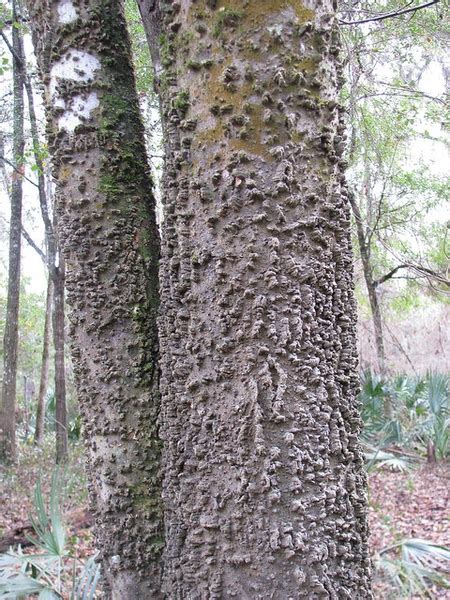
(264, 487)
(50, 258)
(45, 363)
(11, 335)
(394, 116)
(56, 271)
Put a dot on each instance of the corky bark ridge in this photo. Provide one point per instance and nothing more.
(264, 485)
(110, 242)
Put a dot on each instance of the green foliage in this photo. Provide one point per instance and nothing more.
(398, 143)
(49, 528)
(30, 155)
(51, 573)
(413, 564)
(421, 421)
(31, 326)
(141, 55)
(5, 65)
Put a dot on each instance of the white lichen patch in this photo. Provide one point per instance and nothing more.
(59, 103)
(75, 65)
(79, 111)
(67, 12)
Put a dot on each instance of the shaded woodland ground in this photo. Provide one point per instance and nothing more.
(413, 504)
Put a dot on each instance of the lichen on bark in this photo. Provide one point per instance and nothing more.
(264, 485)
(110, 242)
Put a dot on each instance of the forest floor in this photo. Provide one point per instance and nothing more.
(414, 504)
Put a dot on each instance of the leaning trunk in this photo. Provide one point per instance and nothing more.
(45, 363)
(60, 368)
(11, 335)
(370, 285)
(106, 225)
(375, 309)
(264, 481)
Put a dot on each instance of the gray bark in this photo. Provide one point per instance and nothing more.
(57, 276)
(45, 364)
(58, 314)
(11, 334)
(106, 226)
(264, 484)
(371, 286)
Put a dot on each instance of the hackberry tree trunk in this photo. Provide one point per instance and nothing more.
(45, 364)
(264, 485)
(11, 334)
(109, 239)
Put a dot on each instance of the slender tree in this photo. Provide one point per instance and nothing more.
(55, 265)
(365, 252)
(58, 314)
(51, 260)
(110, 243)
(45, 363)
(264, 485)
(11, 335)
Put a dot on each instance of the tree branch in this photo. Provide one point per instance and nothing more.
(8, 162)
(11, 49)
(418, 268)
(29, 239)
(33, 244)
(390, 15)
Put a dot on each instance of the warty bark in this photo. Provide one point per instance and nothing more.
(110, 242)
(264, 489)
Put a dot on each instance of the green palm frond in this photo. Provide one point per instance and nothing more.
(414, 564)
(49, 529)
(86, 585)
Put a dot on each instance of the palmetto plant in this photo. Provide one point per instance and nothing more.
(421, 415)
(377, 458)
(412, 565)
(45, 573)
(435, 429)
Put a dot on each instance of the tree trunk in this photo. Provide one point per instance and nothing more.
(264, 483)
(40, 411)
(364, 251)
(60, 369)
(11, 335)
(57, 275)
(370, 285)
(110, 242)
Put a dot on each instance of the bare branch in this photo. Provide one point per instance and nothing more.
(8, 162)
(29, 239)
(395, 13)
(424, 271)
(33, 244)
(11, 49)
